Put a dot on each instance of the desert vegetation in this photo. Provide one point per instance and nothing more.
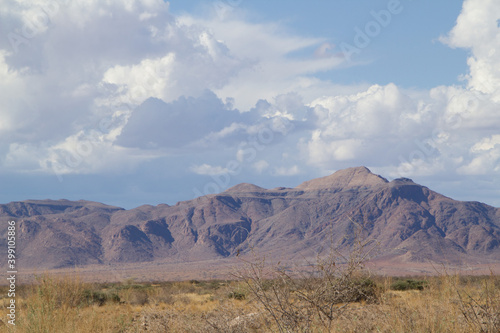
(327, 297)
(333, 293)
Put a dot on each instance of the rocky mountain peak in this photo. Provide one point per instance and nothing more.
(245, 187)
(344, 179)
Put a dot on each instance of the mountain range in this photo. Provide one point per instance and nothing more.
(405, 221)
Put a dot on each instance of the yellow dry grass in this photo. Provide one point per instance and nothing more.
(449, 303)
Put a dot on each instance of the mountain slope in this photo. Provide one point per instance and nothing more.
(406, 220)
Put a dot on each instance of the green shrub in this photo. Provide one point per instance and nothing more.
(363, 289)
(237, 295)
(214, 284)
(409, 284)
(91, 297)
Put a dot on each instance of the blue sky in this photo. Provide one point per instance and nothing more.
(146, 102)
(411, 38)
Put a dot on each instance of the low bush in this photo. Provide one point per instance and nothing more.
(237, 295)
(409, 284)
(91, 297)
(362, 289)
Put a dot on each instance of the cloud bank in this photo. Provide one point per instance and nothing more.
(89, 87)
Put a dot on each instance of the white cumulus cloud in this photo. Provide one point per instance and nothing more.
(206, 169)
(217, 89)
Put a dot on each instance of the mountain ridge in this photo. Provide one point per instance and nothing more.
(410, 222)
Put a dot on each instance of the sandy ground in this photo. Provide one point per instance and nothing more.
(224, 269)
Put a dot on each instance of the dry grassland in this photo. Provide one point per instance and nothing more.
(446, 303)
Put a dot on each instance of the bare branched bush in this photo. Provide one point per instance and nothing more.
(481, 311)
(313, 297)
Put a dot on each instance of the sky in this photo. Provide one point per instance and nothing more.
(131, 102)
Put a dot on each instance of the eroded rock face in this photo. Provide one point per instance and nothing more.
(406, 220)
